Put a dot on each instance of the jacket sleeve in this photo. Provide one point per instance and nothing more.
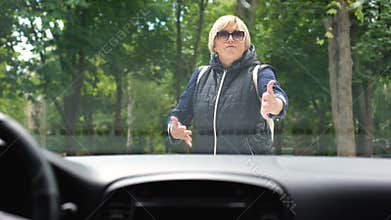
(184, 109)
(264, 76)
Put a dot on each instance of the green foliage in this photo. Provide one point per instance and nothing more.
(359, 14)
(331, 11)
(381, 104)
(152, 103)
(334, 5)
(376, 38)
(134, 42)
(14, 108)
(288, 36)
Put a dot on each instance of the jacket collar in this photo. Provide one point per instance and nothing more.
(249, 58)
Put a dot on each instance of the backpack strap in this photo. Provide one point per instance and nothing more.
(261, 67)
(203, 69)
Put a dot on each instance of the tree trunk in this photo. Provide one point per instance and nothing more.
(129, 120)
(241, 9)
(253, 13)
(90, 129)
(247, 11)
(117, 111)
(340, 70)
(43, 123)
(72, 100)
(323, 146)
(72, 105)
(365, 121)
(200, 26)
(179, 49)
(28, 116)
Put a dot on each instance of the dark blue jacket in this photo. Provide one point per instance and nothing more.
(238, 129)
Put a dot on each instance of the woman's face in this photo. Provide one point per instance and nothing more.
(229, 44)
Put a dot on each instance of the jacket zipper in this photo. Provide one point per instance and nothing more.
(215, 113)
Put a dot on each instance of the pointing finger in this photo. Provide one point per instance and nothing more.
(188, 142)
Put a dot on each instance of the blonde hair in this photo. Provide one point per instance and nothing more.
(222, 23)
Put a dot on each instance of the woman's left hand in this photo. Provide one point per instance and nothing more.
(270, 103)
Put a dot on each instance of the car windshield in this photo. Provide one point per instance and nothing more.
(156, 77)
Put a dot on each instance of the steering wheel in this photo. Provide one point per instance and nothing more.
(44, 192)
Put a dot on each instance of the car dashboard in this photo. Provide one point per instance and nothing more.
(222, 187)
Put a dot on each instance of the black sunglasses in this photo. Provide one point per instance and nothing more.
(224, 35)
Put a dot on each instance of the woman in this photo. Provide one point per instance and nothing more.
(228, 114)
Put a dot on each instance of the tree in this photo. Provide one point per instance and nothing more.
(86, 55)
(340, 70)
(288, 35)
(370, 54)
(12, 99)
(200, 25)
(247, 11)
(179, 39)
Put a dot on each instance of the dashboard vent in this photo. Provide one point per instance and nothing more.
(118, 207)
(192, 200)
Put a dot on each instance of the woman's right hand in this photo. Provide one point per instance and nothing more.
(179, 131)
